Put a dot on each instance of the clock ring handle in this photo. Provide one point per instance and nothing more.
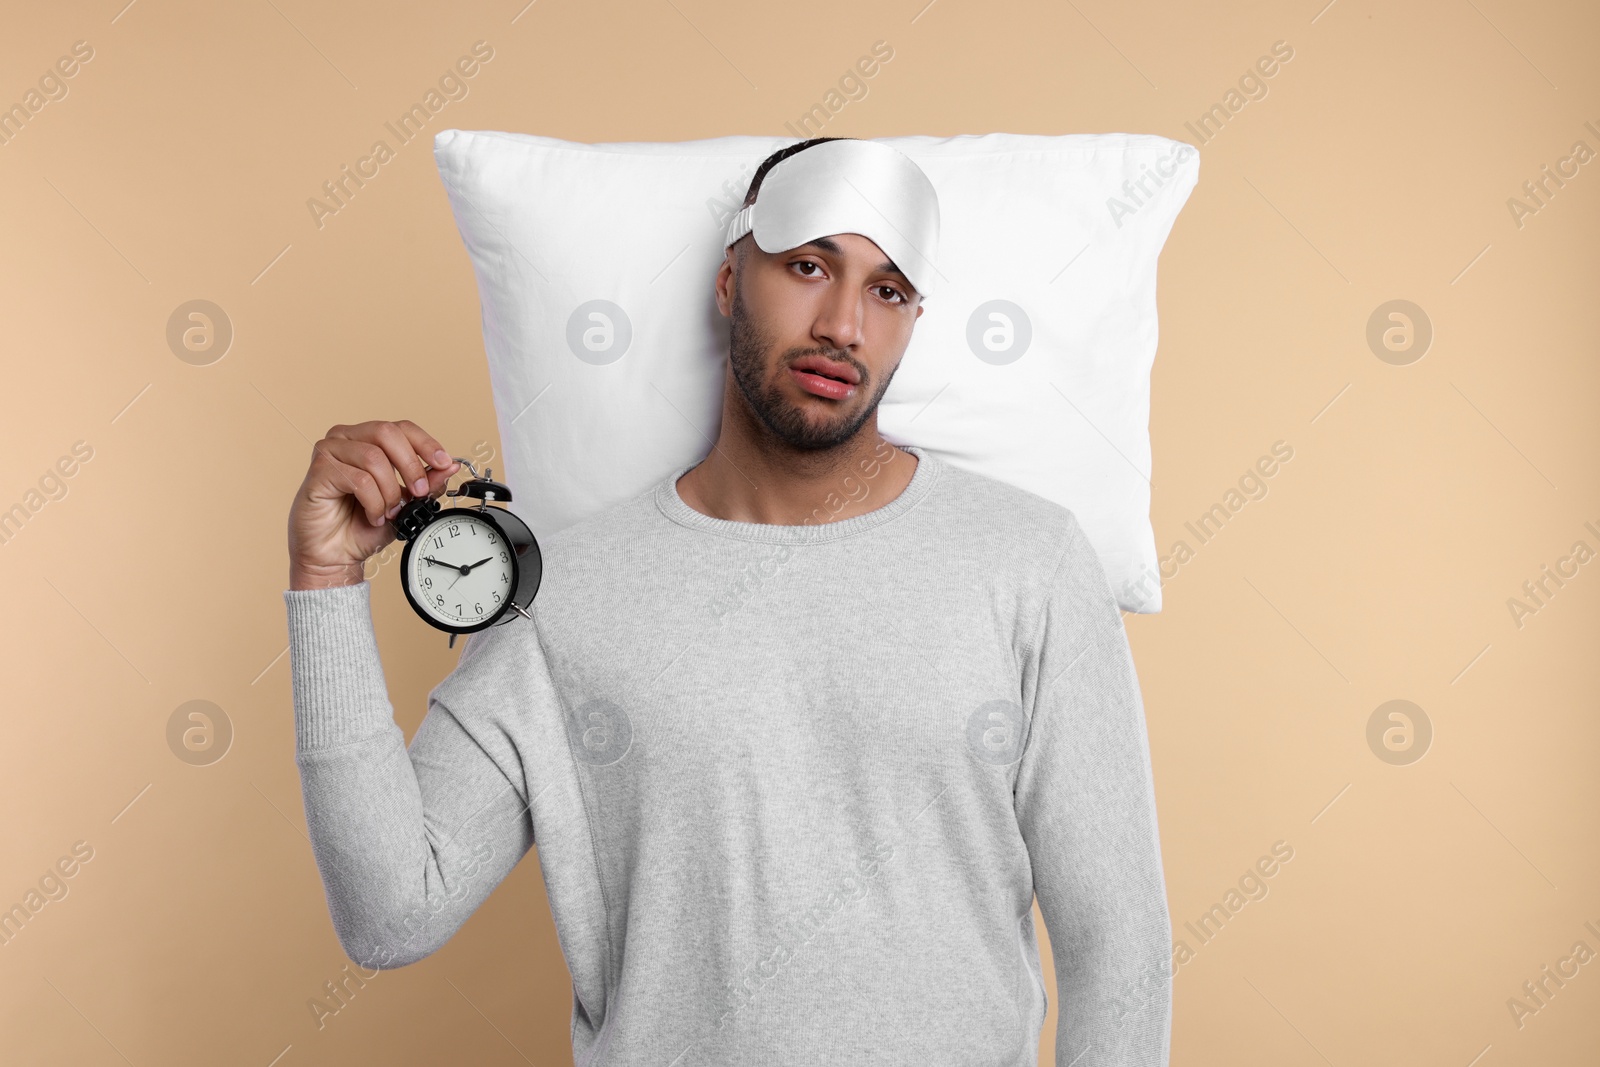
(481, 487)
(467, 463)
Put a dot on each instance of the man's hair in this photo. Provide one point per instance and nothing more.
(761, 172)
(778, 157)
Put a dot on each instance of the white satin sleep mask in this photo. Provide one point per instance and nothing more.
(848, 186)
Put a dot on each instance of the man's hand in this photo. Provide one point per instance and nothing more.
(359, 478)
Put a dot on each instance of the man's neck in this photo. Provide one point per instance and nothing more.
(742, 481)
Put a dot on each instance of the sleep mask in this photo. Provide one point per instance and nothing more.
(848, 186)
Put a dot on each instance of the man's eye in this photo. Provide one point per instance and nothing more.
(896, 292)
(806, 263)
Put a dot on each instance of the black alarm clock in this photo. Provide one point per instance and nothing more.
(465, 569)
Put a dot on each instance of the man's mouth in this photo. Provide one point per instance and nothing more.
(827, 368)
(821, 385)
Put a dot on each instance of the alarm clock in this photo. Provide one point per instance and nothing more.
(465, 569)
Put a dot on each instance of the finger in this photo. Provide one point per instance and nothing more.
(397, 447)
(438, 479)
(373, 461)
(428, 447)
(402, 453)
(441, 467)
(354, 482)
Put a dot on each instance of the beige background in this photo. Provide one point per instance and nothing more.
(1379, 566)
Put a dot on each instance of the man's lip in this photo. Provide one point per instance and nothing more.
(827, 368)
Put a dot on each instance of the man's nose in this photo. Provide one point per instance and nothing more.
(839, 318)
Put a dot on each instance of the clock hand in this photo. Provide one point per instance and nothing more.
(453, 566)
(464, 568)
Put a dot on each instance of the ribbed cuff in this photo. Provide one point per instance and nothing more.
(339, 691)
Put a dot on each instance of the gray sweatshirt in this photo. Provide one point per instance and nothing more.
(794, 788)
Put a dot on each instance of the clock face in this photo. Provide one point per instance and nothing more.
(460, 570)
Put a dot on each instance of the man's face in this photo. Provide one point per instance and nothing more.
(838, 298)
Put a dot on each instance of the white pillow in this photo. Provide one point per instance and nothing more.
(1031, 363)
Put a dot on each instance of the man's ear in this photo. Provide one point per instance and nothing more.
(724, 282)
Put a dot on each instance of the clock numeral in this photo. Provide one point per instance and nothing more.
(504, 557)
(478, 608)
(496, 597)
(505, 579)
(438, 542)
(427, 583)
(455, 529)
(439, 599)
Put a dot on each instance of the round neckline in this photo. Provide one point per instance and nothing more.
(675, 508)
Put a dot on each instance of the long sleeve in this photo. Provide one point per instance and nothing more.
(408, 842)
(1085, 804)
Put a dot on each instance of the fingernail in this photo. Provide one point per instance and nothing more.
(377, 522)
(392, 512)
(419, 487)
(441, 458)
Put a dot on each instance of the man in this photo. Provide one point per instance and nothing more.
(799, 731)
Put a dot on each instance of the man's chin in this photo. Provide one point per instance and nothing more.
(812, 434)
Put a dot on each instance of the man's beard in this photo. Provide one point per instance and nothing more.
(747, 352)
